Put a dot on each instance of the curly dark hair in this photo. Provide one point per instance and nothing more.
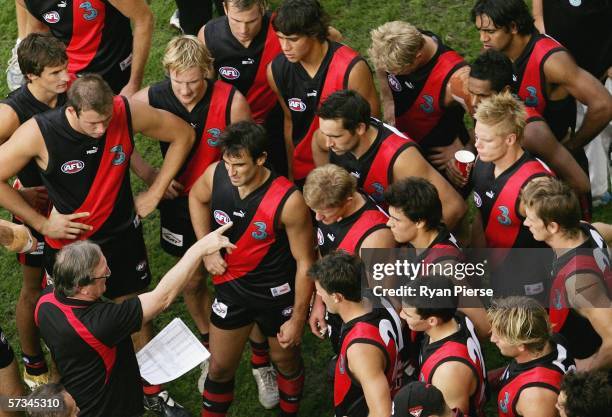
(588, 394)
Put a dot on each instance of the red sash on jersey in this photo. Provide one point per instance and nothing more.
(336, 79)
(87, 25)
(367, 220)
(108, 354)
(532, 89)
(504, 224)
(362, 332)
(533, 115)
(538, 376)
(250, 250)
(102, 195)
(380, 172)
(208, 147)
(559, 305)
(260, 96)
(423, 116)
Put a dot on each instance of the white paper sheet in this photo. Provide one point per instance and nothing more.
(172, 353)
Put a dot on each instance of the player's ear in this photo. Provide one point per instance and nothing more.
(262, 159)
(553, 227)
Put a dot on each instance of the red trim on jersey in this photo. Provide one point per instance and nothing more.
(416, 121)
(502, 235)
(381, 170)
(107, 354)
(442, 251)
(208, 150)
(102, 195)
(533, 77)
(361, 228)
(86, 34)
(250, 250)
(336, 79)
(260, 96)
(533, 115)
(536, 377)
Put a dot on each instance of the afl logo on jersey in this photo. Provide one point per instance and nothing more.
(229, 73)
(221, 217)
(51, 17)
(320, 237)
(72, 167)
(296, 104)
(477, 199)
(394, 83)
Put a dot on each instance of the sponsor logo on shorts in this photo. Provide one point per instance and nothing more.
(229, 73)
(171, 237)
(40, 247)
(416, 411)
(51, 17)
(533, 289)
(287, 311)
(141, 265)
(296, 104)
(320, 237)
(394, 83)
(219, 309)
(72, 167)
(280, 290)
(477, 199)
(221, 217)
(126, 63)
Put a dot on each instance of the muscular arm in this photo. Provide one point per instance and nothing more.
(412, 164)
(320, 151)
(240, 109)
(539, 140)
(537, 402)
(287, 124)
(199, 200)
(605, 230)
(166, 127)
(360, 80)
(561, 69)
(387, 97)
(367, 364)
(456, 381)
(379, 239)
(538, 15)
(142, 25)
(9, 122)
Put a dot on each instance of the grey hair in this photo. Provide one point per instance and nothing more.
(51, 391)
(74, 265)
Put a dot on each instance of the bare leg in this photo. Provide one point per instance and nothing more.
(197, 300)
(10, 385)
(29, 337)
(290, 376)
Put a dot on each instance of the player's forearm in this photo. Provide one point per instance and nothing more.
(304, 289)
(175, 156)
(11, 200)
(200, 215)
(597, 117)
(602, 359)
(142, 168)
(143, 33)
(288, 136)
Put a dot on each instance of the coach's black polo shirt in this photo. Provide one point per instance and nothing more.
(91, 345)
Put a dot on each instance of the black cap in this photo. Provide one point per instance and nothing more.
(418, 399)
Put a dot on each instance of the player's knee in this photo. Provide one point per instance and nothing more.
(287, 362)
(220, 372)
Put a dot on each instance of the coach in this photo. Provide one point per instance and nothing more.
(89, 338)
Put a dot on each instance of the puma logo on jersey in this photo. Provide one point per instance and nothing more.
(239, 213)
(490, 194)
(72, 167)
(62, 4)
(313, 93)
(409, 85)
(331, 237)
(248, 61)
(229, 73)
(356, 174)
(51, 17)
(92, 150)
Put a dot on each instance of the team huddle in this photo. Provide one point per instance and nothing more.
(283, 171)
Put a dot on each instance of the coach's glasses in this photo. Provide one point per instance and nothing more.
(108, 274)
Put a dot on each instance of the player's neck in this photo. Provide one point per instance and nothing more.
(260, 177)
(424, 239)
(44, 96)
(312, 61)
(354, 205)
(513, 154)
(429, 50)
(351, 310)
(443, 330)
(365, 142)
(528, 356)
(517, 46)
(562, 243)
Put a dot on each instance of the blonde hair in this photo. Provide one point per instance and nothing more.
(328, 186)
(185, 52)
(503, 112)
(395, 45)
(521, 321)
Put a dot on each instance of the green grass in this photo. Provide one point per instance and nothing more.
(447, 18)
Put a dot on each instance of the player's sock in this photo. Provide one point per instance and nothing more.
(259, 354)
(204, 338)
(149, 389)
(35, 365)
(290, 388)
(217, 398)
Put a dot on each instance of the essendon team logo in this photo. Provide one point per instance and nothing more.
(72, 167)
(296, 104)
(51, 17)
(221, 217)
(229, 73)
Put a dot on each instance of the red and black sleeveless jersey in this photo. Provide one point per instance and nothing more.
(209, 118)
(303, 94)
(374, 169)
(418, 99)
(381, 328)
(545, 372)
(462, 346)
(591, 257)
(444, 248)
(25, 105)
(349, 233)
(98, 37)
(245, 67)
(90, 175)
(530, 84)
(262, 267)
